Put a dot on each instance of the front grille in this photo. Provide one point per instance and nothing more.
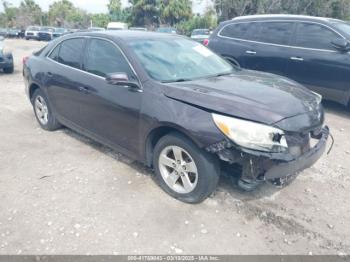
(31, 34)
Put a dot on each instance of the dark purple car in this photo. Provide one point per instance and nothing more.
(174, 105)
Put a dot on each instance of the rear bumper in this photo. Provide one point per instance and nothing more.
(6, 62)
(308, 159)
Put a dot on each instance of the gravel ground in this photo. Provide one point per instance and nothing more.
(62, 193)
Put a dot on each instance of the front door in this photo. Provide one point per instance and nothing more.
(108, 111)
(270, 51)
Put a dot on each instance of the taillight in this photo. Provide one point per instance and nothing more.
(25, 59)
(206, 42)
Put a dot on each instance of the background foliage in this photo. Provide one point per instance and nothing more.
(154, 13)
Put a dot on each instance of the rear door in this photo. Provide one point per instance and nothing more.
(315, 63)
(62, 78)
(232, 41)
(270, 51)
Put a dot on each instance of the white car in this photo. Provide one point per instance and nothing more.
(32, 32)
(117, 26)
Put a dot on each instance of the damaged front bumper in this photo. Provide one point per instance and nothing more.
(261, 166)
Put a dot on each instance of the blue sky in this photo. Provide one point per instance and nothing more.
(97, 6)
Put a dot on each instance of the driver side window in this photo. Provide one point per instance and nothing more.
(104, 58)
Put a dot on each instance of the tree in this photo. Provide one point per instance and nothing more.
(29, 13)
(144, 12)
(63, 13)
(174, 11)
(100, 20)
(228, 9)
(10, 14)
(208, 20)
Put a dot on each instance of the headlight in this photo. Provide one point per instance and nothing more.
(252, 135)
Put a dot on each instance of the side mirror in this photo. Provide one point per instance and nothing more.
(122, 79)
(341, 44)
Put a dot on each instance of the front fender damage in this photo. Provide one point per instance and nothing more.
(260, 166)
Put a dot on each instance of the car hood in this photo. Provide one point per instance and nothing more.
(252, 95)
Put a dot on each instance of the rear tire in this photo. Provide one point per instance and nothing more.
(183, 170)
(43, 111)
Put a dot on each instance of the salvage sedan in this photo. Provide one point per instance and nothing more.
(174, 105)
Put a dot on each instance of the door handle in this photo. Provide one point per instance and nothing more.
(297, 58)
(49, 74)
(83, 89)
(250, 52)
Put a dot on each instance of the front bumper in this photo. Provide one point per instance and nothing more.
(304, 161)
(270, 166)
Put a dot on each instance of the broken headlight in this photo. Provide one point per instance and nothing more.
(252, 135)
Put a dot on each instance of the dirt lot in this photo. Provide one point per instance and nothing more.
(61, 193)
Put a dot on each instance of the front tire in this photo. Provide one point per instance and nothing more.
(43, 112)
(183, 170)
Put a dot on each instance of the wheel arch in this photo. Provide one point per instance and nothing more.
(32, 88)
(157, 133)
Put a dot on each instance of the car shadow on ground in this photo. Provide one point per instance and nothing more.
(227, 183)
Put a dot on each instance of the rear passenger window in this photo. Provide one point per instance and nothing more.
(54, 53)
(104, 58)
(314, 36)
(71, 52)
(276, 32)
(240, 30)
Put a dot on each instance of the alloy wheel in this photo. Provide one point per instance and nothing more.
(178, 169)
(41, 110)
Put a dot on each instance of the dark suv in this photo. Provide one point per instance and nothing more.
(310, 50)
(178, 107)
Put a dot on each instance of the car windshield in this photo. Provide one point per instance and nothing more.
(178, 59)
(47, 29)
(200, 32)
(33, 28)
(343, 26)
(60, 30)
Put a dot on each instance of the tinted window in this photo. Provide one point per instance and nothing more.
(71, 51)
(240, 30)
(104, 58)
(275, 32)
(54, 53)
(314, 36)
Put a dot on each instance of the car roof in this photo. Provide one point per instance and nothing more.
(125, 34)
(283, 16)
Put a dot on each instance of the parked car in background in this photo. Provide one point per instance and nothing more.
(117, 26)
(22, 33)
(13, 33)
(313, 51)
(6, 59)
(199, 35)
(32, 32)
(167, 30)
(186, 115)
(3, 32)
(94, 29)
(138, 28)
(58, 32)
(46, 33)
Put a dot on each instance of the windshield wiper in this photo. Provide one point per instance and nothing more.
(176, 80)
